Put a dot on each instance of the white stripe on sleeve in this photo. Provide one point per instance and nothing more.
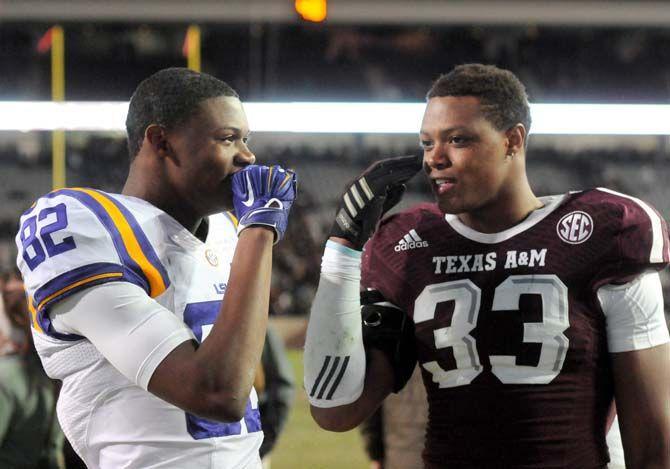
(656, 254)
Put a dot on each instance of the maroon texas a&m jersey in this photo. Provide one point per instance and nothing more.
(510, 335)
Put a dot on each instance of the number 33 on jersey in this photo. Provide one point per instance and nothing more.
(511, 334)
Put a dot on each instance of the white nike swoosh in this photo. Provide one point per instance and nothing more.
(249, 202)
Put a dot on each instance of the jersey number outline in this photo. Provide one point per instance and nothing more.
(43, 245)
(467, 302)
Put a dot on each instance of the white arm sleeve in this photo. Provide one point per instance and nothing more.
(334, 355)
(634, 314)
(130, 329)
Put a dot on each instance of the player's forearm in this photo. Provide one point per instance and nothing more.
(641, 380)
(227, 359)
(231, 353)
(334, 357)
(378, 385)
(652, 454)
(647, 446)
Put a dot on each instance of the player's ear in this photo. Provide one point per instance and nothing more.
(516, 139)
(156, 137)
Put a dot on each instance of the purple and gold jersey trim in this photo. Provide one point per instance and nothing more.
(72, 286)
(33, 315)
(75, 279)
(131, 243)
(233, 219)
(72, 282)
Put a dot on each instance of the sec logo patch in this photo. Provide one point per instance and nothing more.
(575, 227)
(211, 257)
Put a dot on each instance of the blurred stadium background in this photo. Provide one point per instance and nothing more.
(565, 51)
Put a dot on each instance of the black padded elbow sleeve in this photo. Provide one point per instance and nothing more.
(390, 330)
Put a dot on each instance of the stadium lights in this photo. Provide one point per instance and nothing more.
(312, 117)
(312, 10)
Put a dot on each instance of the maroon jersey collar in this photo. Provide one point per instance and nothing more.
(550, 204)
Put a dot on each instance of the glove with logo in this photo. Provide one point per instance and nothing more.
(263, 195)
(371, 195)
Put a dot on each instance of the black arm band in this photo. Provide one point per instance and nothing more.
(390, 330)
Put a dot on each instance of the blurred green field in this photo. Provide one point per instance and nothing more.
(303, 445)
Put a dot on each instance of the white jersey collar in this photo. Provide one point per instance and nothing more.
(550, 204)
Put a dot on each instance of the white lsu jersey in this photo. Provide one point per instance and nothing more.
(72, 239)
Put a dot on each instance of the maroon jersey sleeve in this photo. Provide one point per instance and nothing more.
(382, 269)
(376, 274)
(639, 238)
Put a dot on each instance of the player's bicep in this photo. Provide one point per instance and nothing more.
(634, 313)
(130, 329)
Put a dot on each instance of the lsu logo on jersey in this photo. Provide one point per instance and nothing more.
(575, 227)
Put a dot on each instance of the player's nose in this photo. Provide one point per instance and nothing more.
(245, 156)
(436, 158)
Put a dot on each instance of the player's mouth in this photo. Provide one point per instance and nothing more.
(443, 185)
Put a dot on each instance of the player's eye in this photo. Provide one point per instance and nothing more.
(227, 138)
(425, 144)
(459, 140)
(246, 140)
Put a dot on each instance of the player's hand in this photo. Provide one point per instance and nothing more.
(371, 195)
(263, 195)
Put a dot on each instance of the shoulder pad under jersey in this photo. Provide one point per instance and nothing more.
(638, 232)
(72, 239)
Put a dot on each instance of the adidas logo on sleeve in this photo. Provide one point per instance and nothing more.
(410, 241)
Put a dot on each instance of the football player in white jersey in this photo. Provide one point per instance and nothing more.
(151, 305)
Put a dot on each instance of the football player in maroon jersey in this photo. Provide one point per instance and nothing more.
(528, 315)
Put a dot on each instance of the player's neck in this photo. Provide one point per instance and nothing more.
(151, 190)
(503, 213)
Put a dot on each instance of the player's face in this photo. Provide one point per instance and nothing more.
(463, 154)
(209, 149)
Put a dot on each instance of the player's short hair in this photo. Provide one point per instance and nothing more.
(502, 96)
(168, 98)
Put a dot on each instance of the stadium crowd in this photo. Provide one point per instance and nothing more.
(100, 161)
(332, 62)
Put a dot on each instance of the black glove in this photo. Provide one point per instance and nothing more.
(371, 195)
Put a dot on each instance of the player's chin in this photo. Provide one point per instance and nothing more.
(448, 204)
(216, 200)
(448, 208)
